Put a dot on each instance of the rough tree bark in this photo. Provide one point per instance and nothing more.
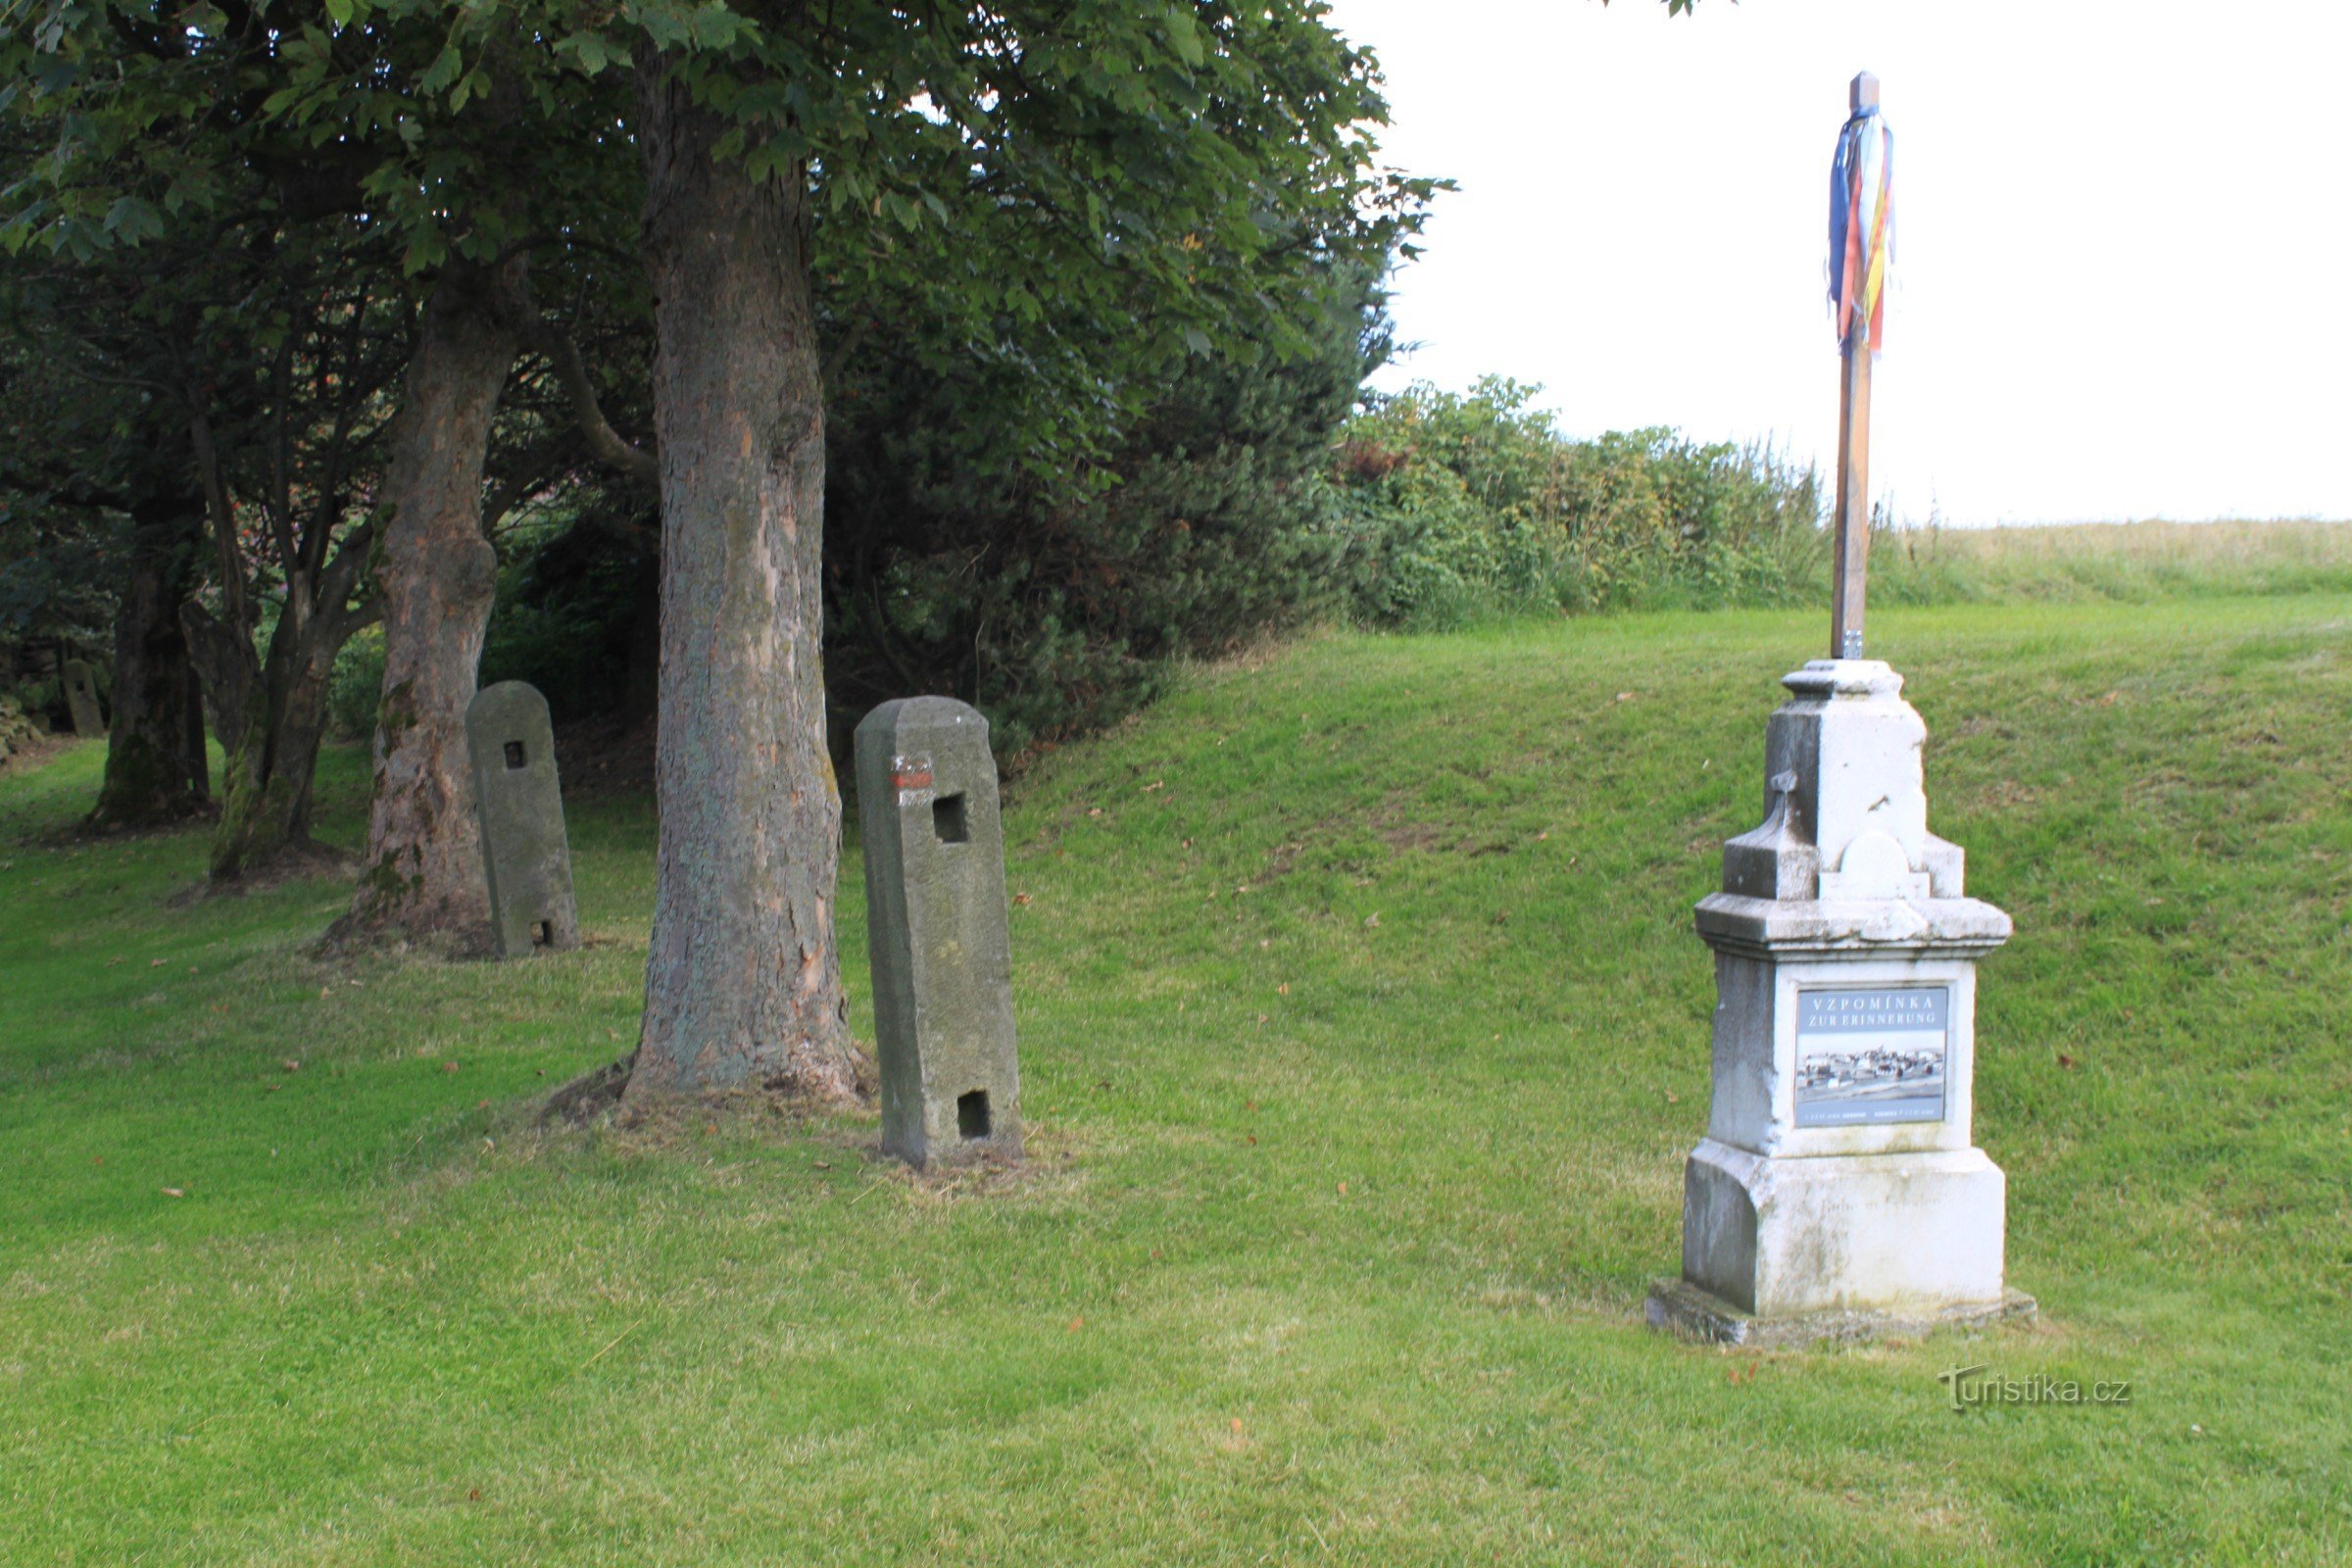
(267, 785)
(270, 708)
(743, 982)
(156, 771)
(436, 579)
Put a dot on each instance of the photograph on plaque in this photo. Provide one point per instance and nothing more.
(1871, 1055)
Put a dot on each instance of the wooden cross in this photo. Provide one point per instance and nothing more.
(1851, 566)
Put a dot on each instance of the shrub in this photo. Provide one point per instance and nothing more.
(356, 686)
(1456, 505)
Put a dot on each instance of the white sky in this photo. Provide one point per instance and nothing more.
(2124, 252)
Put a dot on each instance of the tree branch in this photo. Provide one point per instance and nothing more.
(606, 442)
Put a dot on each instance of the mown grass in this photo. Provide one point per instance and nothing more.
(1363, 1034)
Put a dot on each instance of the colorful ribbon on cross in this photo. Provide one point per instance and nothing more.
(1862, 223)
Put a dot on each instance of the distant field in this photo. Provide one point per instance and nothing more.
(2126, 561)
(1363, 1034)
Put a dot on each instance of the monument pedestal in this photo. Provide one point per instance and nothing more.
(1838, 1193)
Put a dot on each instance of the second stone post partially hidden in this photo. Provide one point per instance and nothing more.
(936, 920)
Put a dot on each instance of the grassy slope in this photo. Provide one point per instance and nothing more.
(1355, 1266)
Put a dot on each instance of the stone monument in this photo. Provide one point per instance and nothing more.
(1838, 1191)
(81, 699)
(936, 923)
(520, 806)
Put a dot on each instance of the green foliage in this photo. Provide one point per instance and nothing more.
(578, 613)
(356, 686)
(739, 1340)
(1057, 602)
(1456, 505)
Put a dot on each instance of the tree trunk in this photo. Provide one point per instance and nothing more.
(155, 766)
(743, 982)
(226, 672)
(436, 579)
(267, 784)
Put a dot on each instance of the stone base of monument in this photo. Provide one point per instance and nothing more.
(1838, 1191)
(1680, 1309)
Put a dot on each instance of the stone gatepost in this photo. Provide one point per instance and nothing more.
(520, 806)
(81, 699)
(1838, 1191)
(937, 933)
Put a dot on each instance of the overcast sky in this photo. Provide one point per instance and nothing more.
(2123, 255)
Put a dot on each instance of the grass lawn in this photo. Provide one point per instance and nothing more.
(1363, 1034)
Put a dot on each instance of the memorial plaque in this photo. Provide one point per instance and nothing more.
(1869, 1054)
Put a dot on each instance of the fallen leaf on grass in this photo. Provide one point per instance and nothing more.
(1076, 1324)
(1342, 1189)
(449, 1067)
(1021, 898)
(155, 963)
(291, 1065)
(173, 1191)
(1283, 990)
(1371, 922)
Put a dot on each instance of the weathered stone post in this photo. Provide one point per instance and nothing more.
(520, 805)
(937, 933)
(1838, 1191)
(81, 699)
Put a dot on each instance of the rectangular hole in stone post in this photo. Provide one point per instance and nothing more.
(971, 1113)
(948, 820)
(513, 753)
(543, 934)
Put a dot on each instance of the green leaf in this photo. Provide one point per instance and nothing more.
(587, 52)
(444, 71)
(131, 221)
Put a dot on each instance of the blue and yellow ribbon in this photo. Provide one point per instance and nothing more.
(1862, 223)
